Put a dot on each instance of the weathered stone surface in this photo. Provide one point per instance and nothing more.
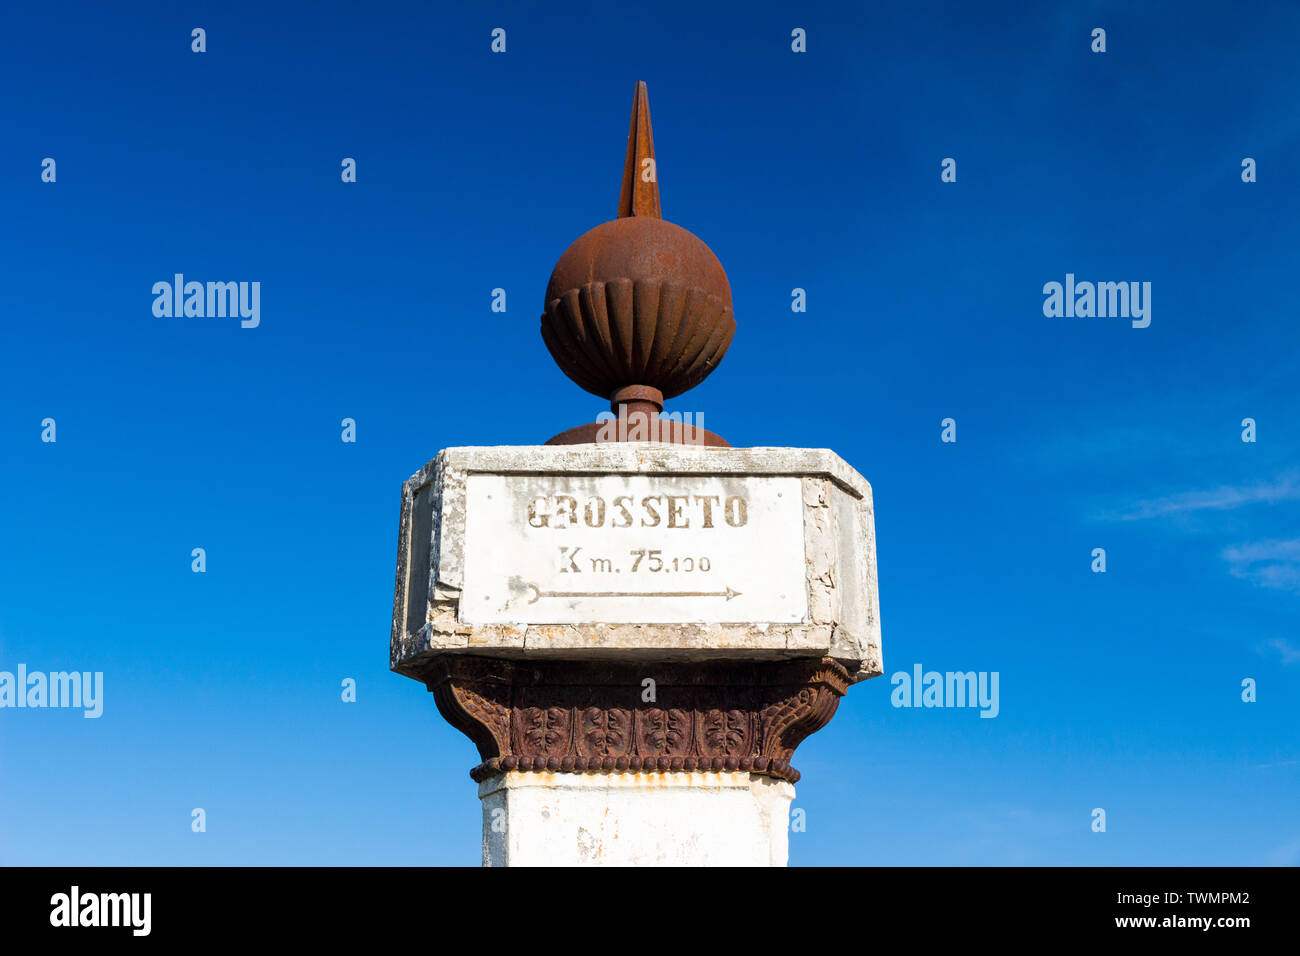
(635, 549)
(804, 573)
(635, 819)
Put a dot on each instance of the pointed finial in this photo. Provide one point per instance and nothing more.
(640, 195)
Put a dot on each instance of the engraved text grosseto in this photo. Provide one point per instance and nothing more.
(647, 511)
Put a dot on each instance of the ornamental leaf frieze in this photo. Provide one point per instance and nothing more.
(592, 717)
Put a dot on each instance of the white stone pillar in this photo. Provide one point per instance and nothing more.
(635, 819)
(636, 638)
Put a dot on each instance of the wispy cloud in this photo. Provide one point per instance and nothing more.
(1267, 564)
(1289, 653)
(1280, 763)
(1264, 551)
(1284, 488)
(1287, 854)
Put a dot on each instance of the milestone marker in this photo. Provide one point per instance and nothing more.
(636, 634)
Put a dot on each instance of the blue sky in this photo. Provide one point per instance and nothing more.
(820, 171)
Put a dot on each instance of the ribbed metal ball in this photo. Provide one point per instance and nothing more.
(638, 301)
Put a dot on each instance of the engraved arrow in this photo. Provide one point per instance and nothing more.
(538, 593)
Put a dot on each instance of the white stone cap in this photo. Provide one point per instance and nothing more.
(793, 575)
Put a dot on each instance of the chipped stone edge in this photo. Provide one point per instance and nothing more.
(819, 469)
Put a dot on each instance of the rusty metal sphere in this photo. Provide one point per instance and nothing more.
(638, 301)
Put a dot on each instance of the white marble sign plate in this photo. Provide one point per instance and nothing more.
(628, 548)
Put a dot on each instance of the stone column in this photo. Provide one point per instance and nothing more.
(712, 818)
(636, 638)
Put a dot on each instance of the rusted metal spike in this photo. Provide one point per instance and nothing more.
(639, 197)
